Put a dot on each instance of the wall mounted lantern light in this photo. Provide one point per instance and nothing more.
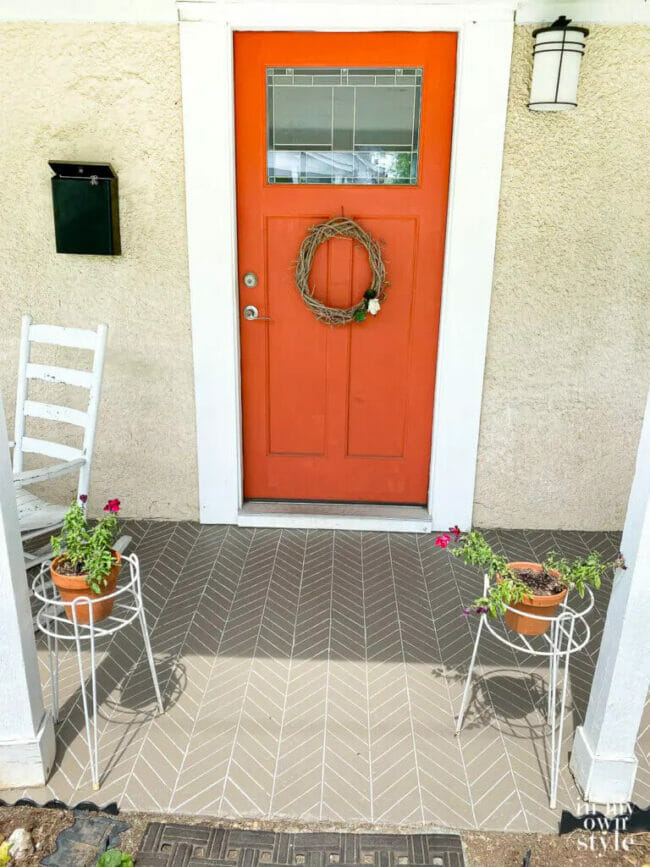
(557, 54)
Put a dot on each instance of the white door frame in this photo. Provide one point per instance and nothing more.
(483, 72)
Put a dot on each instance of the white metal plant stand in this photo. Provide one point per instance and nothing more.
(52, 620)
(568, 633)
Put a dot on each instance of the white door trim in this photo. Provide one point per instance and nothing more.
(165, 11)
(483, 71)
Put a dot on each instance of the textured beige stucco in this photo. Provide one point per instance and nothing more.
(109, 93)
(568, 357)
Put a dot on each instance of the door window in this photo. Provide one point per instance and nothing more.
(343, 126)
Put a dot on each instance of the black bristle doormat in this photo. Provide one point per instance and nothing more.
(167, 845)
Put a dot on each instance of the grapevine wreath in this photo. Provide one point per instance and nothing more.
(374, 294)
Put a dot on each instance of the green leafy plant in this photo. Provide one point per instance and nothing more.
(86, 550)
(583, 571)
(506, 586)
(115, 858)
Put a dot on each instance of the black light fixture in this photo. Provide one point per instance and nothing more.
(86, 215)
(557, 54)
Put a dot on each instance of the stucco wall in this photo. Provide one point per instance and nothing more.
(109, 93)
(568, 352)
(568, 360)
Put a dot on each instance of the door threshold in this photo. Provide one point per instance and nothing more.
(336, 516)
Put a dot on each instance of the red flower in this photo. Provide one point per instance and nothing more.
(83, 498)
(443, 541)
(112, 506)
(455, 531)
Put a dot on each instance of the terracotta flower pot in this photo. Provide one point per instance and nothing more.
(543, 606)
(71, 587)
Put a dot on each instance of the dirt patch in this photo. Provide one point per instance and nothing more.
(44, 826)
(508, 850)
(482, 849)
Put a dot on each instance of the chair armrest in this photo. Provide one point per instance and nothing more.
(31, 477)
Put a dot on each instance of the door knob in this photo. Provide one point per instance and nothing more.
(251, 312)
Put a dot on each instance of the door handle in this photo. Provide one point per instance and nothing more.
(251, 313)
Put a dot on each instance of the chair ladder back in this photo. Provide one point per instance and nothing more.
(21, 394)
(94, 395)
(57, 335)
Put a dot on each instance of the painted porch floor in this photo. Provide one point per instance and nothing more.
(315, 675)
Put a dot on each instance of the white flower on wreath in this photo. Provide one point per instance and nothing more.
(374, 306)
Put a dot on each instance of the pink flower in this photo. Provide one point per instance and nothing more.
(83, 498)
(112, 506)
(455, 531)
(443, 540)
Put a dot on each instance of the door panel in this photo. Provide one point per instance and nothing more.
(377, 405)
(341, 413)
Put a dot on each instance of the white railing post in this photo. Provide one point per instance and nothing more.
(603, 760)
(26, 730)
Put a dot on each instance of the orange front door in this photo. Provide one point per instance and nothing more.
(359, 124)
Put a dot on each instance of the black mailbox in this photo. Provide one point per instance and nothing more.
(86, 216)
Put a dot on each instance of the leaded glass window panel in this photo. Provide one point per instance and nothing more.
(343, 126)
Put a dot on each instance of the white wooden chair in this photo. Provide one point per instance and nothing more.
(36, 516)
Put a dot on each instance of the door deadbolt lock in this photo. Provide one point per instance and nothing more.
(250, 279)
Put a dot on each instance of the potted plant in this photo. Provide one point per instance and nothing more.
(529, 588)
(86, 565)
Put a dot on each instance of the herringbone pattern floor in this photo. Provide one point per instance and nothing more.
(316, 675)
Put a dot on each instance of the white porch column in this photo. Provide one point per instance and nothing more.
(26, 731)
(603, 760)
